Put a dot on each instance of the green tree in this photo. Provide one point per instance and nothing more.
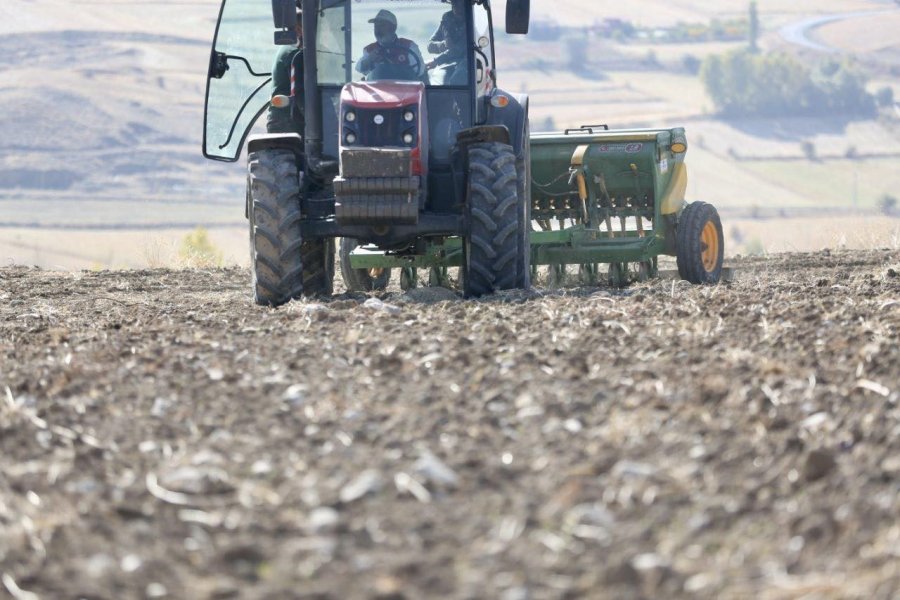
(885, 96)
(809, 150)
(742, 83)
(577, 54)
(753, 32)
(691, 64)
(712, 73)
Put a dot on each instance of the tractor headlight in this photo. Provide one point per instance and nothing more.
(408, 138)
(409, 116)
(350, 138)
(350, 116)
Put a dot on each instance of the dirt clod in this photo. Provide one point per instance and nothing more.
(819, 463)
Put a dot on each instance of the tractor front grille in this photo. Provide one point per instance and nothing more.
(389, 133)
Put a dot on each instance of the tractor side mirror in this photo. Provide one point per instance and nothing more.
(284, 14)
(518, 13)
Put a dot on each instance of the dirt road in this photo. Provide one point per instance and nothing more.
(162, 437)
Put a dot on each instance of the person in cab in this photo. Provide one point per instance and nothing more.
(287, 80)
(390, 56)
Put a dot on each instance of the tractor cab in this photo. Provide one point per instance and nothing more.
(446, 45)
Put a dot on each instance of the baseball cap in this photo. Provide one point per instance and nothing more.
(385, 15)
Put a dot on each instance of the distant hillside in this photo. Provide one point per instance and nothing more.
(107, 107)
(102, 107)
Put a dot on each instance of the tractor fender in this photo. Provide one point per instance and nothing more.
(513, 116)
(271, 141)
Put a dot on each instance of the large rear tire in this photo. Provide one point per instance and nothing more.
(492, 248)
(700, 245)
(282, 264)
(361, 280)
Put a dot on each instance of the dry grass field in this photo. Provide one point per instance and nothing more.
(63, 250)
(662, 13)
(863, 35)
(129, 249)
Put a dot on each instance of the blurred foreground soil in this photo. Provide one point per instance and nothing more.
(161, 436)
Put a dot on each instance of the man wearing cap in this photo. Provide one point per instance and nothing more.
(287, 80)
(389, 49)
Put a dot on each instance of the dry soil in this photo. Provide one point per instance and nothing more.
(162, 436)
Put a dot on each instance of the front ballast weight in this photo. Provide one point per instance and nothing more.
(607, 203)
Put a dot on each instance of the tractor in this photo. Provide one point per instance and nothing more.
(429, 164)
(397, 157)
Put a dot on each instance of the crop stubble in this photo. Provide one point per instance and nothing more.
(162, 435)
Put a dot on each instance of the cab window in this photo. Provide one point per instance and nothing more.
(428, 43)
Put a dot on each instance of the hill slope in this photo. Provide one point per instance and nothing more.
(102, 118)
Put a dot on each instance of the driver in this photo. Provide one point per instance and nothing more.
(390, 49)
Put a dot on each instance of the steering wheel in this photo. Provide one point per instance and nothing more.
(408, 70)
(411, 56)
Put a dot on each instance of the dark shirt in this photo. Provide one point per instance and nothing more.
(450, 38)
(281, 70)
(287, 119)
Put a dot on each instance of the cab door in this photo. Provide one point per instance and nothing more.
(239, 76)
(484, 58)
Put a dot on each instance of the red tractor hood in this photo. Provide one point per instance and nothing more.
(383, 94)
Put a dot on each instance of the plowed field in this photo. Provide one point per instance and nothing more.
(160, 436)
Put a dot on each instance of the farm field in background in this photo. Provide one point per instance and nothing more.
(833, 183)
(124, 249)
(661, 13)
(127, 128)
(863, 35)
(62, 250)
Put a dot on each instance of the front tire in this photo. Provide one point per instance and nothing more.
(283, 265)
(492, 248)
(700, 245)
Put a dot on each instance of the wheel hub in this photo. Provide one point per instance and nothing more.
(709, 239)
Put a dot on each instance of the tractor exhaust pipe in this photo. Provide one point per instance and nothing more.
(312, 100)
